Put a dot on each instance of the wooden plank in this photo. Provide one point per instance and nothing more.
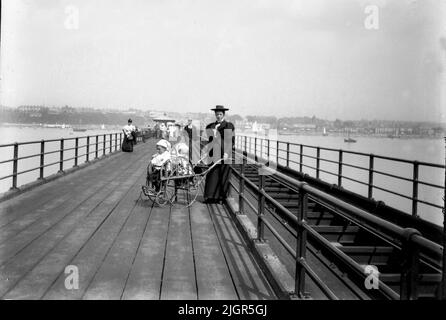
(249, 280)
(213, 276)
(178, 280)
(144, 282)
(43, 195)
(111, 277)
(95, 210)
(20, 212)
(51, 218)
(91, 184)
(90, 257)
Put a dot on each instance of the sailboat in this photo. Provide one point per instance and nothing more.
(349, 140)
(325, 132)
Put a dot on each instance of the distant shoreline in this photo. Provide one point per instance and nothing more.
(342, 135)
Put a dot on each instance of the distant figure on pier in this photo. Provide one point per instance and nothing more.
(129, 137)
(189, 130)
(217, 180)
(180, 148)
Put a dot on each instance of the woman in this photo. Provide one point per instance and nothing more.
(129, 136)
(220, 146)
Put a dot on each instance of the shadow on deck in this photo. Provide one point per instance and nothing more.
(122, 246)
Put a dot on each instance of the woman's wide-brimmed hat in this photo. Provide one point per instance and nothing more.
(219, 108)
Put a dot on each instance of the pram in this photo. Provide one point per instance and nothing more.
(178, 173)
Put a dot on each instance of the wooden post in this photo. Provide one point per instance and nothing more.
(301, 245)
(301, 158)
(97, 146)
(277, 152)
(61, 156)
(111, 143)
(76, 150)
(42, 159)
(242, 184)
(103, 145)
(261, 208)
(410, 268)
(340, 169)
(88, 150)
(255, 149)
(443, 273)
(288, 154)
(15, 166)
(415, 189)
(371, 168)
(318, 161)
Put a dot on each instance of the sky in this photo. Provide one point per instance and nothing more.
(265, 57)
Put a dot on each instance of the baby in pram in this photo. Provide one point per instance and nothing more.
(169, 162)
(160, 160)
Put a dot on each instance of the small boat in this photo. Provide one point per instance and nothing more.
(325, 132)
(79, 129)
(348, 139)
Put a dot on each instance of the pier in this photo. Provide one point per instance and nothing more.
(281, 235)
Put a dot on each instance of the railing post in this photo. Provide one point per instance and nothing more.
(277, 152)
(87, 152)
(103, 145)
(261, 147)
(111, 143)
(97, 146)
(261, 207)
(120, 140)
(15, 166)
(267, 151)
(255, 149)
(246, 142)
(410, 268)
(116, 141)
(301, 158)
(288, 154)
(241, 207)
(301, 245)
(415, 189)
(340, 169)
(61, 156)
(318, 161)
(371, 168)
(76, 150)
(42, 159)
(442, 294)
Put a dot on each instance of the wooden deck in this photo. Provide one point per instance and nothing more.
(123, 246)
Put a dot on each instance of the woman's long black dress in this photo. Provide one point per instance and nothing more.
(127, 145)
(217, 180)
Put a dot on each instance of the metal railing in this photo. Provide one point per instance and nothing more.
(256, 146)
(411, 243)
(96, 145)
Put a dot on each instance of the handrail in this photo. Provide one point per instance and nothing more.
(110, 142)
(372, 171)
(412, 242)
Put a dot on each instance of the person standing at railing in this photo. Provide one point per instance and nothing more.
(129, 137)
(221, 143)
(190, 130)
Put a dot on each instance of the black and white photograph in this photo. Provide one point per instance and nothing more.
(223, 154)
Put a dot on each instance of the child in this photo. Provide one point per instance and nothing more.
(159, 159)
